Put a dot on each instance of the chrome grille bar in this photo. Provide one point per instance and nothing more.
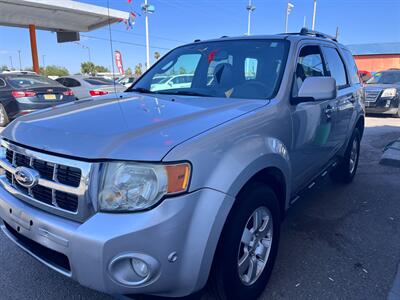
(84, 207)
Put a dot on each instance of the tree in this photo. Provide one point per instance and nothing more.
(53, 70)
(138, 70)
(157, 55)
(3, 68)
(87, 67)
(101, 69)
(128, 72)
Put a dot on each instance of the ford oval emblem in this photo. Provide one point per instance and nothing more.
(26, 177)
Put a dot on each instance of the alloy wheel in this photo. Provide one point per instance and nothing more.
(255, 246)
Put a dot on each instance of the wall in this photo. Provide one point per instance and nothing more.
(378, 62)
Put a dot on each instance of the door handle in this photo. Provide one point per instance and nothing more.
(328, 111)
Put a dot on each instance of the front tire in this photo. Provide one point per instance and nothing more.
(347, 167)
(248, 246)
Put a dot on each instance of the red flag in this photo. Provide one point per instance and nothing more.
(118, 62)
(129, 1)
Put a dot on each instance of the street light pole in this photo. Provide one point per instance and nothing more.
(12, 65)
(147, 36)
(250, 8)
(19, 58)
(288, 10)
(44, 64)
(314, 13)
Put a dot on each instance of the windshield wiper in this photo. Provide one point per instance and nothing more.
(184, 93)
(141, 90)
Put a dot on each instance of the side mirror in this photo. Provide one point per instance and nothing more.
(317, 89)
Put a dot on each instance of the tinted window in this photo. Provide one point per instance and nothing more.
(351, 64)
(27, 81)
(98, 81)
(217, 69)
(309, 64)
(70, 82)
(335, 66)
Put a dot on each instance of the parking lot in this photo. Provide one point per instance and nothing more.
(340, 242)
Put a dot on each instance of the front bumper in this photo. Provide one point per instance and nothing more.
(186, 227)
(383, 106)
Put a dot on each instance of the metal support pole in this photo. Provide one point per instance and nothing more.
(147, 36)
(19, 58)
(314, 13)
(35, 59)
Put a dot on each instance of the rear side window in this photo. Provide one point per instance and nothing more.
(335, 67)
(351, 66)
(70, 82)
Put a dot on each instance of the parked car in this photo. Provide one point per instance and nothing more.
(23, 93)
(169, 190)
(382, 93)
(364, 75)
(86, 87)
(173, 82)
(126, 81)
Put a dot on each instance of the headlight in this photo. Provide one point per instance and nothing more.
(389, 93)
(137, 186)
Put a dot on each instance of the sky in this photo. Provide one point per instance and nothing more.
(177, 22)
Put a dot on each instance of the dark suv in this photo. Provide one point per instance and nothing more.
(22, 93)
(382, 93)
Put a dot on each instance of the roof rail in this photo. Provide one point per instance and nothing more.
(306, 31)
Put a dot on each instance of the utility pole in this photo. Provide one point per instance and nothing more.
(337, 33)
(12, 65)
(250, 8)
(314, 13)
(288, 11)
(305, 22)
(19, 58)
(44, 64)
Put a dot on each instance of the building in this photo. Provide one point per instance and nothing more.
(376, 57)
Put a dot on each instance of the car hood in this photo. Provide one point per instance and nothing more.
(377, 86)
(130, 127)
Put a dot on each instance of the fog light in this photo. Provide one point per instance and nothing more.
(140, 267)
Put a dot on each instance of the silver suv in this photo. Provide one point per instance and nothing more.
(167, 191)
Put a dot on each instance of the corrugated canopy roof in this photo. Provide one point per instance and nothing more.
(57, 15)
(369, 49)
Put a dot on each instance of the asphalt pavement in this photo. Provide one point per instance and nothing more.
(339, 242)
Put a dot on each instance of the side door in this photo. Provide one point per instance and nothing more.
(346, 93)
(313, 122)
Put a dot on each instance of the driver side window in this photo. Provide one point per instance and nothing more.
(309, 64)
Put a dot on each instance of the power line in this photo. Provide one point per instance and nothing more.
(122, 42)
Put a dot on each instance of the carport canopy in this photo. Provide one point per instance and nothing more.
(57, 16)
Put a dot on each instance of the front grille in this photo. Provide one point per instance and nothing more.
(372, 95)
(68, 175)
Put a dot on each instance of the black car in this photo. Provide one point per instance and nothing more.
(22, 93)
(382, 93)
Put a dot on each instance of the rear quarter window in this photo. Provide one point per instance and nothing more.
(2, 83)
(352, 67)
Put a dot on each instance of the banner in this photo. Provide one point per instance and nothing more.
(118, 62)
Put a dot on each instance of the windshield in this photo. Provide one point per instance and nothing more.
(389, 77)
(250, 69)
(31, 81)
